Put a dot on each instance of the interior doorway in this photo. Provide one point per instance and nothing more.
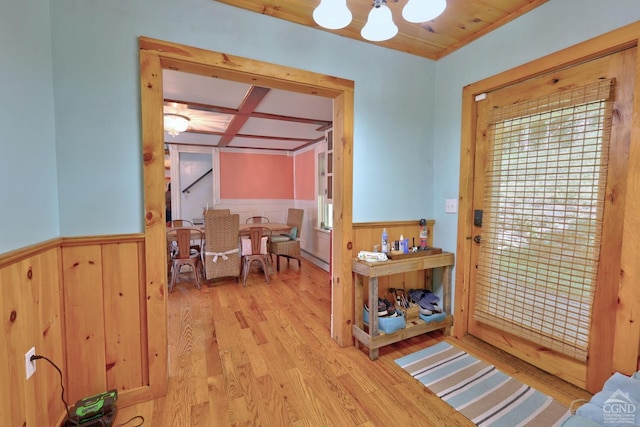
(193, 175)
(156, 56)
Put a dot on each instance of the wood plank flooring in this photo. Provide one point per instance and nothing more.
(263, 356)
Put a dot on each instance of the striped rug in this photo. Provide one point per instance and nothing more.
(479, 391)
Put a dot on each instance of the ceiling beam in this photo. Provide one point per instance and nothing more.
(254, 97)
(250, 136)
(324, 124)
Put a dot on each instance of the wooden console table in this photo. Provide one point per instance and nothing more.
(374, 339)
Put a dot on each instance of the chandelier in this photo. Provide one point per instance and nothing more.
(175, 123)
(334, 14)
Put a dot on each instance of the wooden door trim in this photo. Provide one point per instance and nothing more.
(627, 339)
(157, 55)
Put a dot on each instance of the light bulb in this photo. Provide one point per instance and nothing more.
(379, 26)
(175, 123)
(332, 14)
(423, 10)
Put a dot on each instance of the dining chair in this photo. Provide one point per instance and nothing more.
(288, 246)
(182, 252)
(216, 211)
(255, 247)
(257, 220)
(221, 253)
(184, 223)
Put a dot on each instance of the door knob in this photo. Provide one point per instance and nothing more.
(477, 238)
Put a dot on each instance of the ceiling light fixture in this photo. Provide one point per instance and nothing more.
(175, 123)
(380, 25)
(334, 14)
(423, 10)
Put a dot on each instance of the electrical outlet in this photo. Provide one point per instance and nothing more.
(30, 365)
(451, 206)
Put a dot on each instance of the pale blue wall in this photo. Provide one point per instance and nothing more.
(407, 109)
(28, 189)
(96, 86)
(551, 27)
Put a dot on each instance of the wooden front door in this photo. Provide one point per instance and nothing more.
(548, 203)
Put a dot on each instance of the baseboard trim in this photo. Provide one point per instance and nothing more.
(319, 262)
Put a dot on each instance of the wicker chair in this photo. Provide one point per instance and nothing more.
(184, 253)
(288, 246)
(221, 255)
(255, 247)
(216, 211)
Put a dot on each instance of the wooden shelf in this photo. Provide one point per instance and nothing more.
(371, 337)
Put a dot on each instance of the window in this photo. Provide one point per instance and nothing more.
(325, 182)
(544, 204)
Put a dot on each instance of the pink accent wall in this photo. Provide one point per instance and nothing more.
(256, 176)
(305, 175)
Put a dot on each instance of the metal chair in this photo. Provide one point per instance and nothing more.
(289, 247)
(255, 247)
(182, 253)
(179, 223)
(257, 220)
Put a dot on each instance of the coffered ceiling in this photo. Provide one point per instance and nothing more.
(229, 114)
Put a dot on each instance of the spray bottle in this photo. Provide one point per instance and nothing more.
(423, 234)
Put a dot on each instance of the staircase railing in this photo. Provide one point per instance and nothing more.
(186, 190)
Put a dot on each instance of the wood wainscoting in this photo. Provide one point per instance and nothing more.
(367, 234)
(81, 302)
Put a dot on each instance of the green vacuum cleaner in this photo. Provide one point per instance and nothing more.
(93, 411)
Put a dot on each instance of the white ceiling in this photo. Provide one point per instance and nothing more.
(281, 120)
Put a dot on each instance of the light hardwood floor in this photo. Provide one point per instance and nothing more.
(263, 356)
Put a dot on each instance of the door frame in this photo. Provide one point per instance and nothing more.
(174, 161)
(625, 342)
(157, 55)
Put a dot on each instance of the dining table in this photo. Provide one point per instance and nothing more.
(275, 227)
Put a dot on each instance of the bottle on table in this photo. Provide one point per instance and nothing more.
(385, 241)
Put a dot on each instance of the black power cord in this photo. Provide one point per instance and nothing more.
(66, 405)
(131, 419)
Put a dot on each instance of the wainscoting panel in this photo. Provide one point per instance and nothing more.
(125, 333)
(105, 323)
(31, 317)
(368, 234)
(81, 303)
(84, 319)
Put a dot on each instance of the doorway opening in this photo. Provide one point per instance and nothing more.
(156, 56)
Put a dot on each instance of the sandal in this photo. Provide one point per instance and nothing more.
(427, 301)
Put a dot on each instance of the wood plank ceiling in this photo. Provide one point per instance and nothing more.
(462, 21)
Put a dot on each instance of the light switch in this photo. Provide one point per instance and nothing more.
(451, 206)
